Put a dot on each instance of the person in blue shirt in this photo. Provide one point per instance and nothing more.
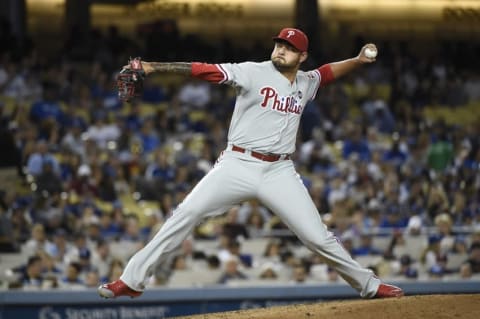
(355, 143)
(148, 137)
(47, 107)
(395, 154)
(366, 247)
(37, 160)
(394, 217)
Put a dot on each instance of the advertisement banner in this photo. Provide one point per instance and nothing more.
(134, 311)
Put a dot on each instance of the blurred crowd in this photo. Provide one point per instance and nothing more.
(373, 162)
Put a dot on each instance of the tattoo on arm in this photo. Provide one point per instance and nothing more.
(183, 68)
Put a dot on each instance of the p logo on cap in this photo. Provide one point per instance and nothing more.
(294, 37)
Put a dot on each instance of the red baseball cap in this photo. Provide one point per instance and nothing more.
(295, 37)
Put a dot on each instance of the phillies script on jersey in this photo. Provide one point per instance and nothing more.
(280, 103)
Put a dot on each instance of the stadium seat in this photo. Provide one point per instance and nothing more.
(194, 278)
(369, 261)
(9, 261)
(123, 249)
(254, 282)
(454, 261)
(207, 246)
(414, 246)
(255, 246)
(381, 242)
(301, 251)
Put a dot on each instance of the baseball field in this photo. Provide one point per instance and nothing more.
(425, 307)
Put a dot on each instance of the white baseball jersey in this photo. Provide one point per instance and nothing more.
(268, 106)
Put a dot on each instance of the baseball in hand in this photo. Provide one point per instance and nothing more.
(370, 53)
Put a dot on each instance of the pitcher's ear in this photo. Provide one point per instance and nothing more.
(303, 56)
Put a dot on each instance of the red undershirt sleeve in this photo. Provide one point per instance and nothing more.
(326, 74)
(209, 72)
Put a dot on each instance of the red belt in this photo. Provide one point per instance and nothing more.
(261, 156)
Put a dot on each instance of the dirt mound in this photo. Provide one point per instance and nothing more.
(427, 306)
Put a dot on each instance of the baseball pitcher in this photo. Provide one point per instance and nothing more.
(271, 97)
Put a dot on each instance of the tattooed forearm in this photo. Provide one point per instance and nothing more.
(183, 68)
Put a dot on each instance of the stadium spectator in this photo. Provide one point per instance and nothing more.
(114, 271)
(440, 153)
(42, 156)
(108, 228)
(92, 278)
(300, 274)
(407, 269)
(48, 181)
(232, 228)
(82, 183)
(444, 224)
(234, 250)
(333, 275)
(268, 272)
(61, 246)
(47, 110)
(102, 131)
(465, 271)
(433, 258)
(366, 247)
(377, 112)
(194, 94)
(255, 225)
(178, 263)
(213, 262)
(474, 258)
(149, 139)
(31, 276)
(231, 271)
(72, 280)
(50, 268)
(38, 241)
(102, 258)
(355, 144)
(20, 223)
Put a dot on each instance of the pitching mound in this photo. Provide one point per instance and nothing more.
(425, 307)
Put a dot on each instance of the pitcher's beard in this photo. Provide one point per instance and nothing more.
(282, 67)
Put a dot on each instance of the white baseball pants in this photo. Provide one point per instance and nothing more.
(238, 177)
